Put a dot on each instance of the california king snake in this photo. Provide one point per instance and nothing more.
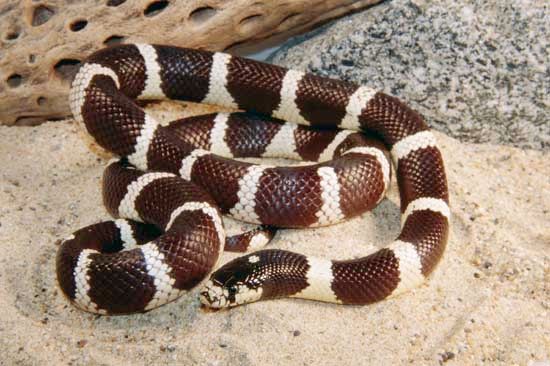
(174, 181)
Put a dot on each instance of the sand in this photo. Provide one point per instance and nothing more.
(487, 302)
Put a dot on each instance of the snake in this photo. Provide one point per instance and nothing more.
(170, 184)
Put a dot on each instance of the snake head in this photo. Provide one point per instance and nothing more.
(237, 282)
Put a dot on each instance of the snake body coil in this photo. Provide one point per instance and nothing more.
(174, 181)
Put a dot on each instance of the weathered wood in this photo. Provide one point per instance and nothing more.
(43, 42)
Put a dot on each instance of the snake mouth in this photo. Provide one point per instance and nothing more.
(214, 296)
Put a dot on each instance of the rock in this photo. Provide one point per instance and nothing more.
(42, 44)
(477, 70)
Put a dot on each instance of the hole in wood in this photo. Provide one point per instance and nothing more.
(66, 69)
(250, 22)
(14, 80)
(32, 58)
(115, 2)
(155, 7)
(78, 25)
(41, 15)
(112, 40)
(41, 101)
(12, 36)
(289, 18)
(250, 18)
(202, 14)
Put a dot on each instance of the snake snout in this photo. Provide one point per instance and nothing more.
(232, 284)
(213, 295)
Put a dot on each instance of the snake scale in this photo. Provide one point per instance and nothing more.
(172, 183)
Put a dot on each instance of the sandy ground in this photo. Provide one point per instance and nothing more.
(488, 302)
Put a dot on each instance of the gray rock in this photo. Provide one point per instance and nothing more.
(476, 69)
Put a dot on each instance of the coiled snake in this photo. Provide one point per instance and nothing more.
(174, 181)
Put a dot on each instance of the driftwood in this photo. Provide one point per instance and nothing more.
(43, 42)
